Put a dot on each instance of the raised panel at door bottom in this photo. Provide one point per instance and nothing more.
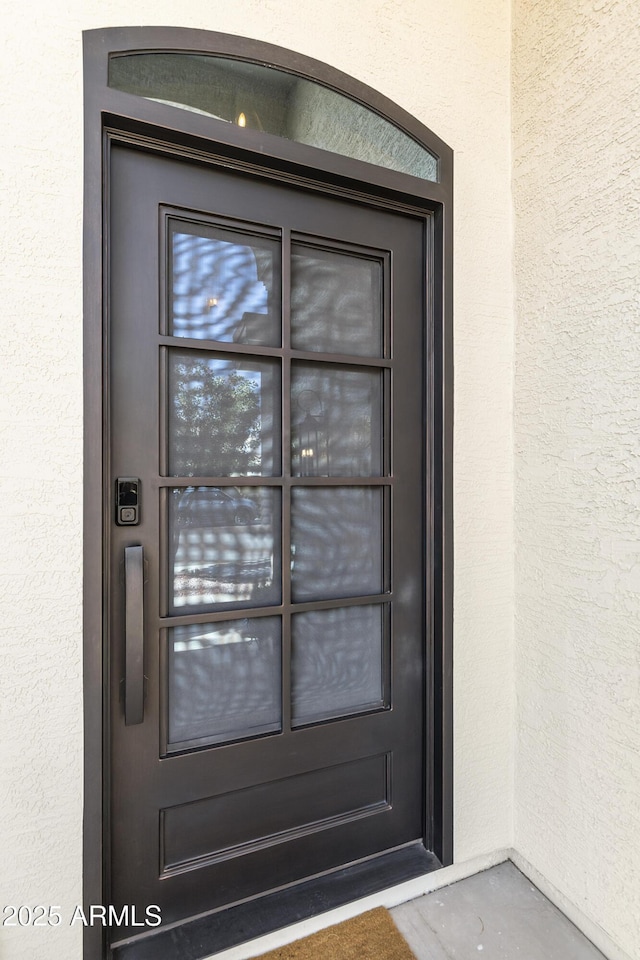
(218, 828)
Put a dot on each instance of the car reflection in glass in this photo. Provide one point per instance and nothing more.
(222, 548)
(215, 506)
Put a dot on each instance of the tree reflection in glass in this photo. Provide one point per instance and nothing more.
(221, 416)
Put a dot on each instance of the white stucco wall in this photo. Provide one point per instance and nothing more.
(448, 64)
(577, 405)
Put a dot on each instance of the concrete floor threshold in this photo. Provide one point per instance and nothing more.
(494, 915)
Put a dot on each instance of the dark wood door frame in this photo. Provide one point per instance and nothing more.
(111, 115)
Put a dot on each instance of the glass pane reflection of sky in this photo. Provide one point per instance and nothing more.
(224, 290)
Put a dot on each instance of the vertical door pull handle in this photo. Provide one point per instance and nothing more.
(133, 635)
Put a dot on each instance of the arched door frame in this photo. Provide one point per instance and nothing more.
(112, 115)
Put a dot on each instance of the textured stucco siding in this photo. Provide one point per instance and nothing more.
(576, 74)
(448, 64)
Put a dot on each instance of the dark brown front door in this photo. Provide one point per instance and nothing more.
(266, 576)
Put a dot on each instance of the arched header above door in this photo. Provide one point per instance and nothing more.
(265, 98)
(275, 100)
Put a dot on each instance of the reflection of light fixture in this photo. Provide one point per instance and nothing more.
(249, 118)
(309, 446)
(212, 302)
(312, 434)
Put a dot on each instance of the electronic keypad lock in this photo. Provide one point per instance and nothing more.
(128, 490)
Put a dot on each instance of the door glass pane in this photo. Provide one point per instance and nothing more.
(225, 285)
(224, 415)
(224, 681)
(336, 663)
(336, 302)
(336, 428)
(336, 542)
(224, 547)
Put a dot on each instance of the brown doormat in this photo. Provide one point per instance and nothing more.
(371, 936)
